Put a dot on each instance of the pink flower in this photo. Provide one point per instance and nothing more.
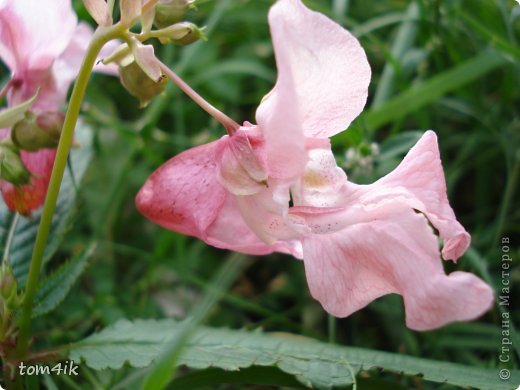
(43, 45)
(357, 242)
(364, 241)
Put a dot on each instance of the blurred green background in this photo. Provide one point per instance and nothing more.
(447, 65)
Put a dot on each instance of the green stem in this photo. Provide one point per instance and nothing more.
(101, 36)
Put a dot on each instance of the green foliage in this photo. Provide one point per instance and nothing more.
(53, 290)
(313, 363)
(26, 228)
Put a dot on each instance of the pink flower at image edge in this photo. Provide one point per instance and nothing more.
(43, 45)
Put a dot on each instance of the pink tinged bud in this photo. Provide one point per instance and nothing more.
(130, 12)
(145, 57)
(12, 169)
(37, 132)
(99, 11)
(28, 197)
(138, 84)
(51, 122)
(171, 11)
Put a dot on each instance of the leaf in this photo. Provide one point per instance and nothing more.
(429, 91)
(311, 362)
(26, 229)
(53, 290)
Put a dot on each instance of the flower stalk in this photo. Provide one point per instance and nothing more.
(230, 125)
(100, 38)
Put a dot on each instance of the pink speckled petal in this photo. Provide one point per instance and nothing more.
(185, 196)
(395, 252)
(327, 66)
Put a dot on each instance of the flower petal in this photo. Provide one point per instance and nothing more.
(184, 195)
(99, 11)
(34, 32)
(279, 116)
(328, 67)
(396, 253)
(421, 174)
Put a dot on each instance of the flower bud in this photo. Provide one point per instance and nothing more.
(8, 285)
(51, 122)
(138, 84)
(168, 12)
(37, 132)
(182, 33)
(12, 169)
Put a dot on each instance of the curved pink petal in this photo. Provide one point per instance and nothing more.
(417, 182)
(34, 32)
(421, 174)
(27, 198)
(279, 114)
(395, 251)
(241, 162)
(185, 196)
(324, 66)
(230, 231)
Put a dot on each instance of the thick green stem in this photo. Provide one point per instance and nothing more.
(101, 36)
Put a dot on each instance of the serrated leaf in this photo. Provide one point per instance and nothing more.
(26, 229)
(53, 290)
(311, 362)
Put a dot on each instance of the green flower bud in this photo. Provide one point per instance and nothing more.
(12, 169)
(138, 84)
(8, 285)
(168, 12)
(182, 33)
(37, 132)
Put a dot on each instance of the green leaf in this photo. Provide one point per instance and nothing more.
(53, 290)
(429, 91)
(311, 362)
(26, 228)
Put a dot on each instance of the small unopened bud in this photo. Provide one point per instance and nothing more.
(12, 169)
(168, 12)
(51, 122)
(138, 84)
(37, 132)
(8, 285)
(182, 33)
